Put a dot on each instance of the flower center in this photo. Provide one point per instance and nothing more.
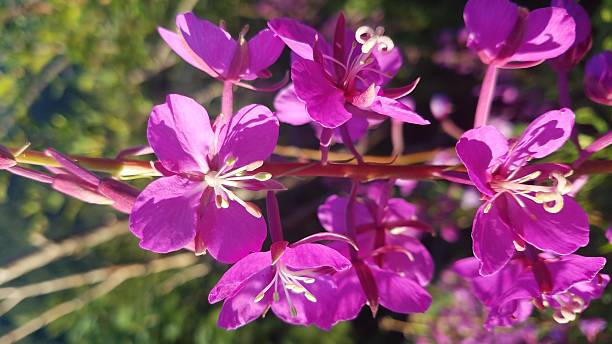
(291, 282)
(569, 306)
(221, 181)
(551, 197)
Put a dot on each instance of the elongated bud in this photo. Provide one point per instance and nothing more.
(6, 158)
(123, 195)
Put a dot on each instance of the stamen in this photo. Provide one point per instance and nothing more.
(369, 39)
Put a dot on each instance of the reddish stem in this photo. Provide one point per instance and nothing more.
(487, 90)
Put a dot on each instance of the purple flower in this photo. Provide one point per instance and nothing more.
(598, 78)
(75, 181)
(583, 42)
(515, 210)
(392, 266)
(213, 50)
(341, 83)
(195, 205)
(295, 281)
(591, 328)
(508, 36)
(565, 284)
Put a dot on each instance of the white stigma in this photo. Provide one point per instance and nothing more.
(370, 38)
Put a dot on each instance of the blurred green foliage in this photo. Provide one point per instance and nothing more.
(82, 75)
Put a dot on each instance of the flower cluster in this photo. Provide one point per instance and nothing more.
(526, 230)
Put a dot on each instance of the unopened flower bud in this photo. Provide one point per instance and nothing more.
(598, 78)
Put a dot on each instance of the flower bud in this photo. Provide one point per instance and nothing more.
(7, 159)
(583, 42)
(598, 78)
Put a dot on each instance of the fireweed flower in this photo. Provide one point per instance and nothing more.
(583, 42)
(598, 78)
(294, 280)
(519, 207)
(213, 50)
(196, 203)
(507, 36)
(73, 180)
(343, 82)
(392, 266)
(565, 284)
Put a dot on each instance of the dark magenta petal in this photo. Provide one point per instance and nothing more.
(324, 101)
(563, 232)
(211, 43)
(241, 308)
(332, 214)
(492, 239)
(123, 195)
(489, 24)
(400, 294)
(180, 134)
(313, 256)
(233, 278)
(264, 49)
(299, 38)
(231, 233)
(566, 271)
(544, 135)
(164, 215)
(420, 268)
(252, 136)
(389, 63)
(482, 150)
(598, 78)
(179, 46)
(289, 108)
(548, 33)
(352, 297)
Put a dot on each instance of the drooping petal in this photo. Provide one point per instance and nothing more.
(164, 214)
(243, 270)
(489, 24)
(492, 239)
(544, 135)
(481, 150)
(420, 265)
(211, 43)
(289, 108)
(566, 271)
(299, 38)
(252, 136)
(241, 308)
(400, 294)
(332, 214)
(563, 232)
(307, 312)
(231, 233)
(179, 46)
(180, 134)
(352, 297)
(324, 101)
(548, 33)
(398, 110)
(312, 256)
(264, 49)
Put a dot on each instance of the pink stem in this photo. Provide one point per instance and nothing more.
(227, 98)
(351, 230)
(593, 148)
(485, 98)
(397, 136)
(348, 142)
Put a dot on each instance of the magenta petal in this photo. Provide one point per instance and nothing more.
(388, 62)
(244, 269)
(252, 136)
(214, 45)
(299, 38)
(399, 209)
(398, 110)
(562, 233)
(264, 50)
(69, 165)
(565, 271)
(544, 135)
(164, 215)
(123, 195)
(324, 101)
(467, 267)
(489, 24)
(241, 308)
(400, 294)
(77, 188)
(231, 233)
(289, 108)
(312, 256)
(549, 32)
(180, 134)
(332, 214)
(179, 46)
(308, 312)
(422, 267)
(492, 239)
(352, 297)
(481, 150)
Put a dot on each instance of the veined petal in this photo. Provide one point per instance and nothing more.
(233, 278)
(400, 294)
(289, 108)
(298, 37)
(352, 297)
(332, 214)
(492, 239)
(312, 256)
(395, 109)
(164, 214)
(264, 49)
(566, 271)
(180, 134)
(179, 46)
